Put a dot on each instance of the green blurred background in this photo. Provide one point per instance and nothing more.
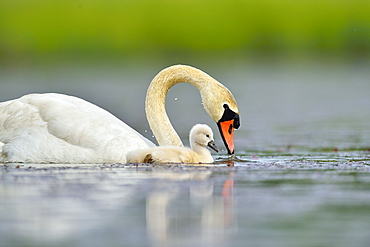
(182, 30)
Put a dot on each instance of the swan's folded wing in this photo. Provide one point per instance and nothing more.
(64, 121)
(79, 122)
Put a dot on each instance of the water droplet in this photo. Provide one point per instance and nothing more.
(175, 98)
(145, 131)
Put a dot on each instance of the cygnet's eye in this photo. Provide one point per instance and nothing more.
(207, 136)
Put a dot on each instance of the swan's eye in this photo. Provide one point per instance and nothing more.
(207, 136)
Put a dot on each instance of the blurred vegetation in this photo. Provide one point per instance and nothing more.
(95, 29)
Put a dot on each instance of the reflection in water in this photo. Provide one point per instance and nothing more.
(156, 215)
(228, 196)
(115, 205)
(208, 212)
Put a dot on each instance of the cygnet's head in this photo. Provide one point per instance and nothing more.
(202, 135)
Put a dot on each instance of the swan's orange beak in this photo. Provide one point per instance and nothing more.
(228, 122)
(227, 134)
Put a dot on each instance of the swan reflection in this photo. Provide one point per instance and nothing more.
(190, 207)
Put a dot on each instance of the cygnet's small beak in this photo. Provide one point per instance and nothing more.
(212, 145)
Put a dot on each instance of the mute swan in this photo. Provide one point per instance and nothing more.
(200, 137)
(56, 128)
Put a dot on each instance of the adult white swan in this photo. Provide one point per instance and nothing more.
(56, 128)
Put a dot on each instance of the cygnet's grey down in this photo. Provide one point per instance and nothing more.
(201, 136)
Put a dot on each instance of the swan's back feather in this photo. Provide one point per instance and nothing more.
(60, 128)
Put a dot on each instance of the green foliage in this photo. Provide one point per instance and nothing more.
(157, 27)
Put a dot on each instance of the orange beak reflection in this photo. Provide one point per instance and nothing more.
(227, 133)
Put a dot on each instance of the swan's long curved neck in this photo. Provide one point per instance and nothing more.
(156, 95)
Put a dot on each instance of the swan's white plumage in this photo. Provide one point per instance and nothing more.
(60, 128)
(201, 135)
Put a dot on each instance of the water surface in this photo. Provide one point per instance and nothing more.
(303, 178)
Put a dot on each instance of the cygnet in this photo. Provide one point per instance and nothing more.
(201, 136)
